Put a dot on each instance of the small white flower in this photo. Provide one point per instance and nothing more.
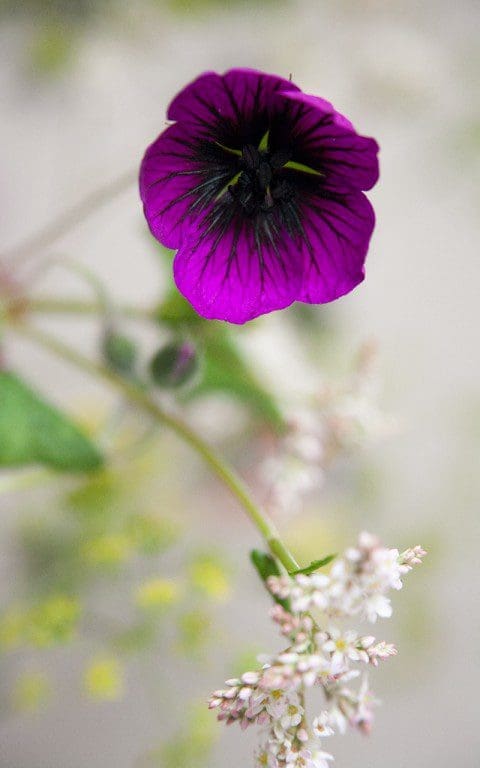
(295, 758)
(310, 666)
(377, 605)
(386, 568)
(265, 759)
(256, 705)
(321, 725)
(293, 715)
(310, 591)
(277, 703)
(327, 670)
(280, 586)
(363, 715)
(343, 647)
(338, 720)
(320, 759)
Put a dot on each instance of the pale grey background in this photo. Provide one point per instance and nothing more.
(408, 73)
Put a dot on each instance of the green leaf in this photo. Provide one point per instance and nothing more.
(314, 565)
(34, 432)
(266, 566)
(226, 370)
(175, 310)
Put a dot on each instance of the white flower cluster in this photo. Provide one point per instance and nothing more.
(342, 418)
(319, 654)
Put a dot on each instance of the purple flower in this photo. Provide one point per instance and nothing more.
(259, 187)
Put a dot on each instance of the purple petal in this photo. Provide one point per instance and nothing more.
(234, 106)
(176, 183)
(336, 233)
(325, 140)
(231, 273)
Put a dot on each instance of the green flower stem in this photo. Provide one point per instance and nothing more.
(142, 399)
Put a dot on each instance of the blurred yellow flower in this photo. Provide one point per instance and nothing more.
(109, 550)
(104, 679)
(151, 534)
(12, 629)
(157, 594)
(31, 690)
(207, 574)
(53, 621)
(194, 632)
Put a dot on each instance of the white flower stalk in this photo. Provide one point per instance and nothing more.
(341, 418)
(320, 654)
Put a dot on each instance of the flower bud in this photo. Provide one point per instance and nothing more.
(119, 352)
(174, 365)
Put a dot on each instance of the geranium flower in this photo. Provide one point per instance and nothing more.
(259, 187)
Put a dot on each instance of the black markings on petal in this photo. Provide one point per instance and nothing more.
(243, 191)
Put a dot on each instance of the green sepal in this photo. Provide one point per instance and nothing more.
(314, 566)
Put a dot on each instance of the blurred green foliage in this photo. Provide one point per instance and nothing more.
(52, 49)
(49, 622)
(194, 632)
(99, 531)
(34, 432)
(31, 691)
(246, 660)
(151, 534)
(189, 7)
(191, 747)
(53, 621)
(57, 28)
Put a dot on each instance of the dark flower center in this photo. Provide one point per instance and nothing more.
(260, 183)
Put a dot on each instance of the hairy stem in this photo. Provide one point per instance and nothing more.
(142, 399)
